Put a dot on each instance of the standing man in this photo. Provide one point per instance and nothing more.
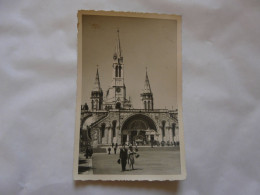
(123, 156)
(115, 150)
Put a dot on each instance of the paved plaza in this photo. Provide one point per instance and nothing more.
(152, 161)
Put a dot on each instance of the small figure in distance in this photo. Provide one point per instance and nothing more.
(115, 150)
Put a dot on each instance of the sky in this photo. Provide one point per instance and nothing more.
(145, 42)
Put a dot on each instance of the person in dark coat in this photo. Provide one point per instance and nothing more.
(115, 150)
(123, 157)
(89, 152)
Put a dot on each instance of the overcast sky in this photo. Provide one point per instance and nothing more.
(145, 42)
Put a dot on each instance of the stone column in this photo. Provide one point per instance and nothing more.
(127, 138)
(118, 135)
(99, 136)
(109, 135)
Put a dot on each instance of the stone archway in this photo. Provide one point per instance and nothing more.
(138, 129)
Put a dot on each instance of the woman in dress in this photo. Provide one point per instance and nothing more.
(131, 157)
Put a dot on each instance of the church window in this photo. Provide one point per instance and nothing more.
(173, 129)
(120, 68)
(92, 103)
(117, 69)
(114, 128)
(96, 104)
(103, 126)
(118, 105)
(163, 128)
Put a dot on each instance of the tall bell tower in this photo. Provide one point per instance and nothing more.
(118, 74)
(116, 94)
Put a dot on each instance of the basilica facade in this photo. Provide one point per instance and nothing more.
(111, 117)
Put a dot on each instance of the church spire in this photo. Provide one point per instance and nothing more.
(118, 55)
(119, 50)
(97, 83)
(97, 95)
(147, 95)
(147, 87)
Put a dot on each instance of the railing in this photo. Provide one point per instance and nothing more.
(129, 110)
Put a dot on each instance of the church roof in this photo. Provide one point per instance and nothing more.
(147, 87)
(97, 83)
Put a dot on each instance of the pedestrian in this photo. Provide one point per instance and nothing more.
(136, 149)
(116, 145)
(123, 157)
(86, 152)
(89, 151)
(115, 150)
(109, 150)
(112, 144)
(131, 157)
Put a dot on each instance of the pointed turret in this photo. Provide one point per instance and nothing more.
(147, 95)
(96, 86)
(147, 87)
(96, 94)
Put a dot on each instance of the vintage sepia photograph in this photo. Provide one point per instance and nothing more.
(129, 97)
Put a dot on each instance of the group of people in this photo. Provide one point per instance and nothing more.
(114, 147)
(127, 156)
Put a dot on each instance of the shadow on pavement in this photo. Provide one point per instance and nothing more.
(83, 169)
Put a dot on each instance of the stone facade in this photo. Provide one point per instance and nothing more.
(112, 119)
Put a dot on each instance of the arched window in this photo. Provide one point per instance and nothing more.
(114, 128)
(120, 68)
(145, 107)
(103, 127)
(116, 70)
(173, 129)
(163, 128)
(96, 104)
(118, 105)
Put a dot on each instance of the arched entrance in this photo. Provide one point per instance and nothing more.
(138, 129)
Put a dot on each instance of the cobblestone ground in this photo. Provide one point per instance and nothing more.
(152, 161)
